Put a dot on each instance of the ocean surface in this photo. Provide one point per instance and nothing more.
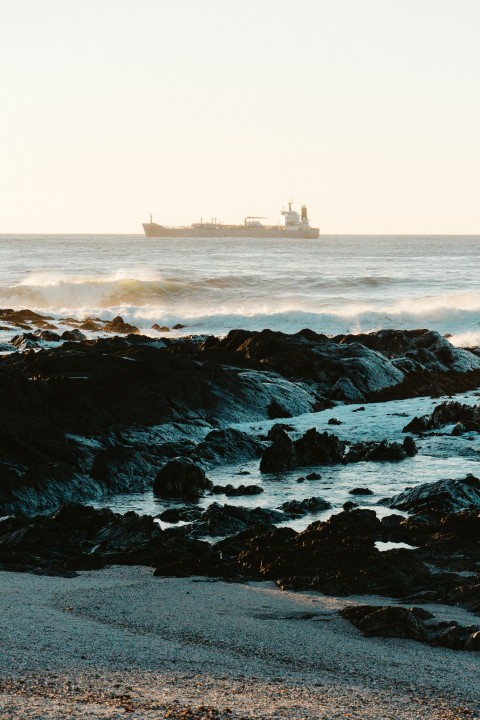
(335, 284)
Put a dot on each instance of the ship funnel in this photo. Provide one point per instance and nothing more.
(304, 215)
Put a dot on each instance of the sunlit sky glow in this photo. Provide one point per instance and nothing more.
(366, 110)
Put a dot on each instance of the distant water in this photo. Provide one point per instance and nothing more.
(333, 285)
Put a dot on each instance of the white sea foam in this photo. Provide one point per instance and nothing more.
(335, 285)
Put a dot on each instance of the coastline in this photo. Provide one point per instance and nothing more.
(118, 641)
(219, 607)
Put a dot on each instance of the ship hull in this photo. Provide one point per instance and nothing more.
(154, 230)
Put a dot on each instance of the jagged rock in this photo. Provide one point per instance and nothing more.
(73, 335)
(221, 520)
(313, 357)
(275, 410)
(315, 448)
(444, 496)
(48, 335)
(125, 469)
(175, 515)
(280, 455)
(345, 389)
(413, 624)
(231, 491)
(297, 508)
(26, 341)
(180, 478)
(90, 325)
(313, 476)
(119, 326)
(467, 416)
(226, 447)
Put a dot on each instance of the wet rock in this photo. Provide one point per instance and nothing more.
(349, 505)
(334, 421)
(280, 455)
(467, 417)
(360, 491)
(48, 335)
(227, 447)
(231, 491)
(313, 476)
(410, 446)
(444, 496)
(275, 410)
(176, 515)
(298, 508)
(90, 325)
(181, 478)
(413, 624)
(313, 357)
(125, 469)
(178, 326)
(119, 326)
(344, 389)
(24, 318)
(73, 335)
(315, 448)
(220, 520)
(26, 341)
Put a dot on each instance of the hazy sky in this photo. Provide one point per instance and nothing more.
(366, 110)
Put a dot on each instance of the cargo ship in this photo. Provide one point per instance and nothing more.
(295, 226)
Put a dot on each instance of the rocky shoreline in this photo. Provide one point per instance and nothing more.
(86, 418)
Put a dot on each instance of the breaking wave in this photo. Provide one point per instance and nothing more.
(339, 285)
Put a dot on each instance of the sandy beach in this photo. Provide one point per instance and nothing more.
(119, 642)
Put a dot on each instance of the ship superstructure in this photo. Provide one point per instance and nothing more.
(296, 226)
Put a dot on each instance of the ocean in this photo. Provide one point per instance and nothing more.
(335, 284)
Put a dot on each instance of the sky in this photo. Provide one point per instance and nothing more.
(368, 111)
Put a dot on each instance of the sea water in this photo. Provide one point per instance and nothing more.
(335, 284)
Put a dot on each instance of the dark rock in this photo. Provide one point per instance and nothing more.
(444, 496)
(280, 455)
(359, 409)
(89, 325)
(275, 410)
(410, 446)
(466, 417)
(345, 389)
(178, 326)
(73, 335)
(334, 421)
(315, 448)
(118, 326)
(160, 328)
(221, 520)
(349, 505)
(412, 624)
(360, 491)
(48, 335)
(231, 491)
(26, 341)
(175, 515)
(297, 508)
(226, 447)
(180, 478)
(313, 476)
